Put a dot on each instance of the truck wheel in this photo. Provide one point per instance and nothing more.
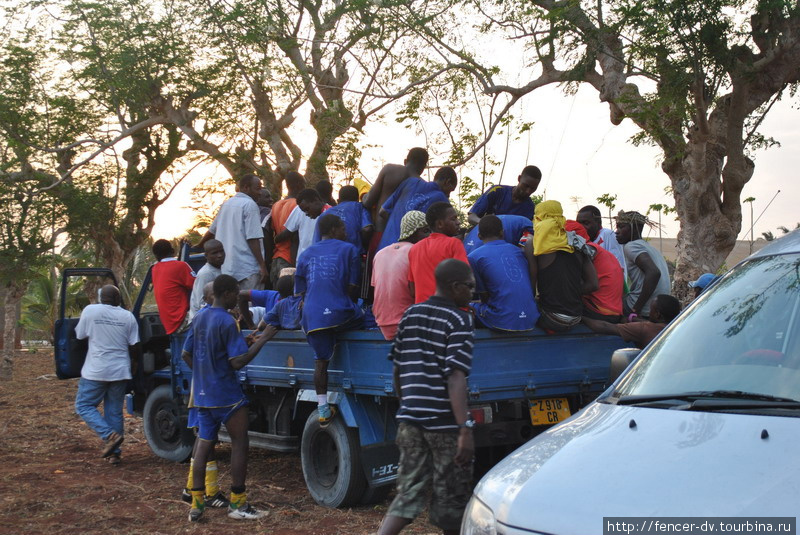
(331, 462)
(164, 428)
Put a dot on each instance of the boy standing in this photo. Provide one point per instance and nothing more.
(424, 256)
(215, 349)
(432, 356)
(215, 257)
(328, 274)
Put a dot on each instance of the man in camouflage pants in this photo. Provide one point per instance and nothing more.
(432, 356)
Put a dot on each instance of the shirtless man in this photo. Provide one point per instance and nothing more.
(389, 178)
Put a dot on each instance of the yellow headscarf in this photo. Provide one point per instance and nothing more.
(549, 234)
(362, 185)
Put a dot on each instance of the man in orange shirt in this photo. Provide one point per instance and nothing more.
(282, 251)
(425, 255)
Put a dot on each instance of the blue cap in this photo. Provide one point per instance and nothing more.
(702, 281)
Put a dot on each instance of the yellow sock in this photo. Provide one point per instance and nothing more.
(189, 482)
(238, 500)
(212, 487)
(198, 501)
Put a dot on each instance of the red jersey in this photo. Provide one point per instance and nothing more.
(279, 215)
(423, 258)
(607, 299)
(172, 284)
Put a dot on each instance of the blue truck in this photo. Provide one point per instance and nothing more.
(520, 385)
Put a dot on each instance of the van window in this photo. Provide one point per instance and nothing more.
(740, 336)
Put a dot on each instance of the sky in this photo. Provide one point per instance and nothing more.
(581, 155)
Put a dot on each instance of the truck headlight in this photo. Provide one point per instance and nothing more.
(478, 519)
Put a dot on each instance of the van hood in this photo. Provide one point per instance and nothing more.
(611, 460)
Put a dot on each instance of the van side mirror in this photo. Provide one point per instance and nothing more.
(620, 360)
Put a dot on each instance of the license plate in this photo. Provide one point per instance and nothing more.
(549, 411)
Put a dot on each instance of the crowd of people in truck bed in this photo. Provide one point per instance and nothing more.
(392, 256)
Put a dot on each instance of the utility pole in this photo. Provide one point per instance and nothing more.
(750, 200)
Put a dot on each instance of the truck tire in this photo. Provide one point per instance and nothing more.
(165, 428)
(330, 458)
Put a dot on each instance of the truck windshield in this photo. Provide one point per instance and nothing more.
(741, 337)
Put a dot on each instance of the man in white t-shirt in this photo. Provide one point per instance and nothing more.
(589, 216)
(215, 257)
(238, 226)
(303, 219)
(113, 341)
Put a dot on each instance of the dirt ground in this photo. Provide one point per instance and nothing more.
(53, 481)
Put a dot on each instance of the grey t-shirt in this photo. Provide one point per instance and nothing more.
(632, 251)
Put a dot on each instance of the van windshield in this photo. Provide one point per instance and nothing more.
(740, 337)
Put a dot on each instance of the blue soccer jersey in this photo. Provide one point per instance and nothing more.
(501, 270)
(285, 314)
(514, 226)
(213, 340)
(497, 200)
(354, 216)
(264, 298)
(412, 194)
(324, 274)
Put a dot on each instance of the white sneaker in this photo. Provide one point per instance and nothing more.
(248, 512)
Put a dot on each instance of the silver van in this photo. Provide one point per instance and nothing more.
(704, 423)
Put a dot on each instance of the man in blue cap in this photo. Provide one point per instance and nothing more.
(702, 282)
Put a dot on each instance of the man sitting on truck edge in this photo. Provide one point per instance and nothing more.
(647, 269)
(432, 356)
(559, 273)
(663, 310)
(215, 256)
(425, 255)
(215, 349)
(501, 277)
(113, 342)
(328, 276)
(390, 274)
(173, 282)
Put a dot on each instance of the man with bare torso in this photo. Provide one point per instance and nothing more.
(389, 178)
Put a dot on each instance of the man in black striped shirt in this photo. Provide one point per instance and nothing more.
(432, 356)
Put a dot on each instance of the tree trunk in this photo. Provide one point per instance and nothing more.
(329, 123)
(13, 296)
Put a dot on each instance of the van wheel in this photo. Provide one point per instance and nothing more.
(331, 462)
(165, 426)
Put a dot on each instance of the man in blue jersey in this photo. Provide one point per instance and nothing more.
(328, 275)
(514, 200)
(356, 218)
(287, 312)
(502, 281)
(215, 349)
(515, 227)
(265, 299)
(415, 194)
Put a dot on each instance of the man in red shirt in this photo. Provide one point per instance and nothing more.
(605, 303)
(425, 255)
(173, 281)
